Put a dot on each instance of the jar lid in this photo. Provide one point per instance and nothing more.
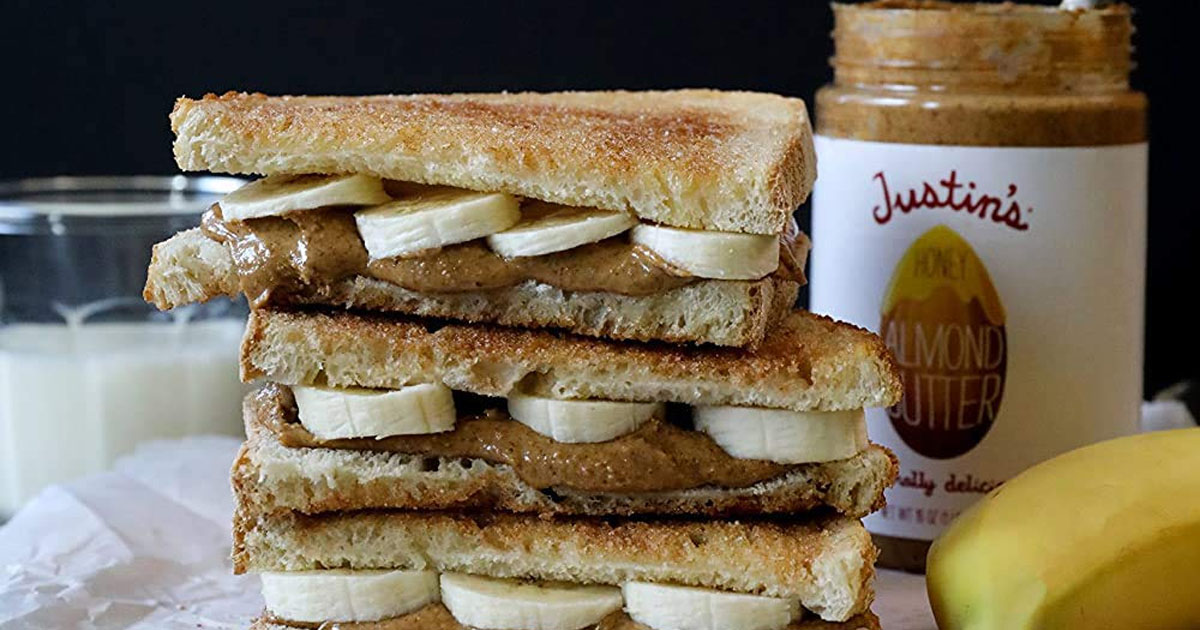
(56, 205)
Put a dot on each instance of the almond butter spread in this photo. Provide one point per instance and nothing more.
(679, 458)
(319, 247)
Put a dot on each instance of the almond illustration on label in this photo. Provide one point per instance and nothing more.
(943, 320)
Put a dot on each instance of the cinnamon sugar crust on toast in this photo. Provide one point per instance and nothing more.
(807, 362)
(701, 159)
(824, 562)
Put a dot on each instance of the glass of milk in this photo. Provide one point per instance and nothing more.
(87, 368)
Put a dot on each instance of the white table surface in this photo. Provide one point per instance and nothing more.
(147, 546)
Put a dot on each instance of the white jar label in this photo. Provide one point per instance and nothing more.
(1009, 284)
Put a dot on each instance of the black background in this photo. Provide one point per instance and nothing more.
(89, 84)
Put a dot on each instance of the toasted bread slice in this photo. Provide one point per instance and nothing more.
(825, 563)
(728, 161)
(436, 617)
(189, 268)
(807, 362)
(272, 476)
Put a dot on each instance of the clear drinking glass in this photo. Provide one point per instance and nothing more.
(87, 368)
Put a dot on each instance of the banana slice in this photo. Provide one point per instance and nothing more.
(346, 596)
(429, 217)
(668, 607)
(720, 255)
(546, 228)
(330, 413)
(575, 421)
(279, 194)
(787, 437)
(495, 604)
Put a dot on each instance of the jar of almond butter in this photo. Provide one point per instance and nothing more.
(981, 204)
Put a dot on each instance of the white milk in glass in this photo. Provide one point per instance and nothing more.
(75, 397)
(88, 369)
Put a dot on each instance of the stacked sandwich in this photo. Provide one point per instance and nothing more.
(530, 362)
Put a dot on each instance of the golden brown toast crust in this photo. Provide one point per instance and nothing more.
(825, 563)
(436, 617)
(271, 476)
(703, 159)
(807, 362)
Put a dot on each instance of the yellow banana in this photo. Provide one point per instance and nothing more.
(1106, 536)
